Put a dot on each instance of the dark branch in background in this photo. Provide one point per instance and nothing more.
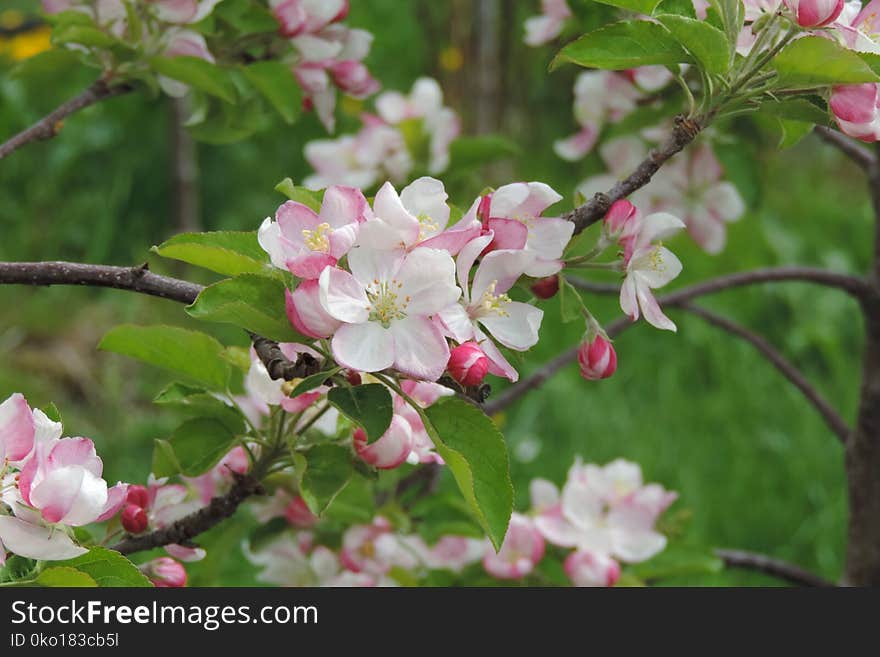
(683, 133)
(773, 567)
(50, 125)
(184, 530)
(789, 371)
(849, 147)
(679, 299)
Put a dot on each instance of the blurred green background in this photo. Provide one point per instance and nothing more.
(703, 413)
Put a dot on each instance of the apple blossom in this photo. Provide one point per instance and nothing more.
(304, 241)
(815, 13)
(522, 549)
(485, 304)
(597, 358)
(468, 364)
(856, 108)
(385, 304)
(183, 11)
(648, 267)
(186, 43)
(298, 513)
(547, 26)
(389, 450)
(423, 393)
(374, 549)
(586, 568)
(546, 288)
(302, 16)
(165, 572)
(137, 495)
(449, 552)
(134, 519)
(18, 425)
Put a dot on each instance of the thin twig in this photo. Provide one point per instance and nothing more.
(684, 131)
(50, 125)
(773, 567)
(789, 371)
(846, 145)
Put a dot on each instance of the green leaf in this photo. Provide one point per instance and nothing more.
(65, 576)
(197, 73)
(52, 412)
(476, 151)
(82, 34)
(792, 132)
(707, 44)
(623, 45)
(198, 445)
(677, 7)
(797, 109)
(323, 472)
(276, 83)
(474, 450)
(164, 463)
(199, 402)
(107, 568)
(676, 562)
(246, 16)
(300, 194)
(637, 6)
(255, 303)
(194, 354)
(816, 61)
(313, 381)
(570, 302)
(368, 405)
(225, 252)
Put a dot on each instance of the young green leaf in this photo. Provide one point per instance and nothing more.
(199, 444)
(199, 402)
(225, 252)
(107, 568)
(65, 576)
(198, 73)
(623, 45)
(368, 405)
(707, 44)
(255, 303)
(194, 354)
(313, 381)
(323, 472)
(164, 463)
(300, 194)
(276, 83)
(816, 61)
(638, 6)
(474, 450)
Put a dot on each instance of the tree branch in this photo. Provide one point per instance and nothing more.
(280, 366)
(184, 530)
(50, 125)
(773, 567)
(846, 145)
(789, 371)
(684, 131)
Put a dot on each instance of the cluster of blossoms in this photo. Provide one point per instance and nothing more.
(323, 53)
(406, 132)
(606, 514)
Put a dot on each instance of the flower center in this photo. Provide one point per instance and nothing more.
(656, 258)
(491, 303)
(427, 226)
(317, 240)
(385, 302)
(869, 25)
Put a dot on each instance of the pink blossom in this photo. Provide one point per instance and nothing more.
(547, 26)
(304, 241)
(134, 519)
(597, 358)
(856, 108)
(385, 304)
(298, 513)
(468, 364)
(815, 13)
(305, 16)
(391, 449)
(374, 549)
(18, 425)
(586, 568)
(305, 312)
(449, 552)
(183, 11)
(182, 43)
(424, 394)
(377, 151)
(521, 551)
(165, 572)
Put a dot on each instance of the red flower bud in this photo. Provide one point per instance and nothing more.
(815, 13)
(134, 519)
(468, 364)
(546, 288)
(138, 495)
(597, 359)
(354, 377)
(619, 217)
(298, 513)
(484, 207)
(165, 572)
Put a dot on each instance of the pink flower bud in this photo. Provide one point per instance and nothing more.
(391, 449)
(857, 110)
(165, 572)
(138, 495)
(545, 288)
(591, 569)
(621, 215)
(134, 519)
(484, 208)
(343, 13)
(815, 13)
(597, 359)
(354, 377)
(298, 513)
(468, 364)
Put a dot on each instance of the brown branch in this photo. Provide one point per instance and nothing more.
(684, 131)
(50, 125)
(184, 530)
(773, 567)
(280, 366)
(846, 145)
(789, 371)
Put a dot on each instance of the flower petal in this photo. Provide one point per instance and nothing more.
(366, 347)
(342, 296)
(420, 350)
(36, 542)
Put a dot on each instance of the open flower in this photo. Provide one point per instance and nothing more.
(547, 26)
(18, 425)
(305, 16)
(385, 305)
(586, 568)
(304, 241)
(388, 451)
(486, 305)
(650, 266)
(521, 551)
(183, 11)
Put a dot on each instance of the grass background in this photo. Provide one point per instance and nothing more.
(702, 412)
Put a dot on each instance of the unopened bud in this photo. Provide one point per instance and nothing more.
(134, 519)
(468, 364)
(545, 288)
(597, 358)
(165, 572)
(138, 495)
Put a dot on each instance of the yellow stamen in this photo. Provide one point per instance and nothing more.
(317, 240)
